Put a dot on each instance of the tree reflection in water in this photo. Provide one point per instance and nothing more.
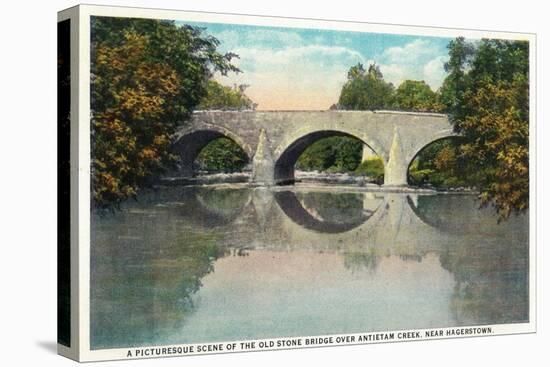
(489, 261)
(145, 290)
(359, 261)
(492, 284)
(327, 212)
(150, 261)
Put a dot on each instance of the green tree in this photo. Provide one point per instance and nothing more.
(222, 155)
(452, 90)
(221, 97)
(146, 76)
(334, 154)
(365, 90)
(319, 156)
(373, 169)
(489, 86)
(415, 95)
(440, 165)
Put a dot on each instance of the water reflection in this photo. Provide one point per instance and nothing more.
(223, 203)
(327, 212)
(491, 282)
(358, 261)
(211, 264)
(137, 280)
(433, 210)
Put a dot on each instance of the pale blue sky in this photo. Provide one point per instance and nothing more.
(293, 68)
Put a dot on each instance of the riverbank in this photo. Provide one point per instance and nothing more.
(306, 180)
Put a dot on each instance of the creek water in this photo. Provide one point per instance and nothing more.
(230, 262)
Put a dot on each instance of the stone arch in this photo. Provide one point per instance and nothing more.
(290, 149)
(421, 147)
(189, 143)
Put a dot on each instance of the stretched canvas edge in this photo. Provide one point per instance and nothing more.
(80, 160)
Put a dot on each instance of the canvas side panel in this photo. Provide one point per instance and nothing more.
(64, 183)
(67, 189)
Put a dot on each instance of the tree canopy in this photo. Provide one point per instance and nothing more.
(365, 90)
(222, 155)
(489, 85)
(416, 95)
(333, 154)
(146, 77)
(221, 97)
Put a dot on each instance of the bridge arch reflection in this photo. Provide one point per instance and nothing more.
(326, 212)
(346, 215)
(211, 207)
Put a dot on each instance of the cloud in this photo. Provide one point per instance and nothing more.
(434, 71)
(412, 53)
(418, 60)
(395, 73)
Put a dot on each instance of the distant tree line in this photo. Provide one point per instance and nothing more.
(366, 89)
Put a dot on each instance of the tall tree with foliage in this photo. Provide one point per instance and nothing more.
(416, 95)
(488, 97)
(365, 89)
(146, 78)
(454, 85)
(222, 97)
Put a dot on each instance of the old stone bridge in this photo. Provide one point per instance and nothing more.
(274, 140)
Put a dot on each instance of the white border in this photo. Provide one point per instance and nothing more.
(80, 113)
